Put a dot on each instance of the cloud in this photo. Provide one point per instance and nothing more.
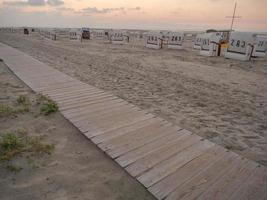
(65, 9)
(25, 3)
(34, 3)
(55, 2)
(135, 8)
(94, 10)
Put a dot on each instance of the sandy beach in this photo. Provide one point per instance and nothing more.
(219, 99)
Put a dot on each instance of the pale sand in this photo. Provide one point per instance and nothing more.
(222, 100)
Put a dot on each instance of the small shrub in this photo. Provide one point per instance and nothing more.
(38, 147)
(41, 98)
(49, 107)
(23, 100)
(18, 143)
(9, 142)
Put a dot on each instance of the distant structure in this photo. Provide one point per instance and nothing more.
(233, 17)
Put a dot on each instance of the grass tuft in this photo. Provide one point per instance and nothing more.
(20, 144)
(49, 107)
(24, 100)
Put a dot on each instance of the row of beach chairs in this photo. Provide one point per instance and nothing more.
(234, 45)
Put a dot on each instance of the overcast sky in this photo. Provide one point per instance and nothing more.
(140, 14)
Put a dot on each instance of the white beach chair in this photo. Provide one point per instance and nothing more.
(210, 45)
(75, 34)
(198, 41)
(175, 40)
(260, 49)
(240, 46)
(119, 37)
(153, 40)
(98, 34)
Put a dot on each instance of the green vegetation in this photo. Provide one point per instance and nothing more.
(23, 100)
(9, 142)
(49, 107)
(41, 98)
(18, 143)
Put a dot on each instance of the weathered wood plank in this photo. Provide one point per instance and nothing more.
(170, 165)
(147, 162)
(167, 185)
(124, 130)
(254, 188)
(195, 186)
(224, 187)
(143, 151)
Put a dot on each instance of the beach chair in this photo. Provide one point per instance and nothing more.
(241, 45)
(260, 49)
(210, 44)
(85, 33)
(153, 40)
(75, 34)
(175, 40)
(98, 34)
(198, 41)
(119, 37)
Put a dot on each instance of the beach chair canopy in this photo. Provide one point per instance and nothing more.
(239, 42)
(175, 38)
(260, 48)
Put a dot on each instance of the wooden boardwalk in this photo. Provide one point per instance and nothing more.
(172, 163)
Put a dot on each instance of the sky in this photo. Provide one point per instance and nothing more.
(135, 14)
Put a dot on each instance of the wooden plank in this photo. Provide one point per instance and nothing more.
(60, 86)
(125, 129)
(91, 132)
(170, 165)
(76, 100)
(80, 104)
(152, 159)
(254, 188)
(134, 155)
(75, 96)
(224, 187)
(167, 185)
(64, 94)
(129, 142)
(60, 92)
(92, 104)
(192, 188)
(105, 114)
(104, 107)
(90, 129)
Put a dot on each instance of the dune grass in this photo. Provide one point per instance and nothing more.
(18, 143)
